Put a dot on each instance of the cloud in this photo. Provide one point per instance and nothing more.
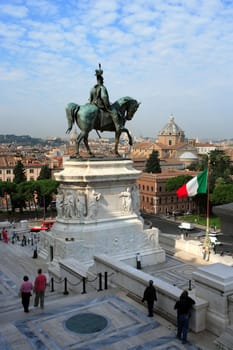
(14, 10)
(168, 54)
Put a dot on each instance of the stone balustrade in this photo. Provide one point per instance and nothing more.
(134, 281)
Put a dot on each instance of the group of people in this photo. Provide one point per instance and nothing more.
(183, 306)
(27, 288)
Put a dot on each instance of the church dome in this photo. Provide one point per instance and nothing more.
(171, 129)
(188, 155)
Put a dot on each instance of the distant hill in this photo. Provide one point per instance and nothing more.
(27, 140)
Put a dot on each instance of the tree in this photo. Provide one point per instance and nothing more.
(153, 163)
(28, 191)
(45, 173)
(174, 183)
(19, 173)
(222, 194)
(220, 167)
(45, 190)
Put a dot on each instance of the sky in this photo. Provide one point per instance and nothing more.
(173, 56)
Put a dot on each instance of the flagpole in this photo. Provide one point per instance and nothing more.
(207, 239)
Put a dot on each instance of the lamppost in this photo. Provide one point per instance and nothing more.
(207, 242)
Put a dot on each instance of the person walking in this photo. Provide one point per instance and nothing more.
(39, 289)
(150, 297)
(25, 292)
(4, 235)
(183, 307)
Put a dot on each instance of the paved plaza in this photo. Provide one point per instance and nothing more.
(125, 321)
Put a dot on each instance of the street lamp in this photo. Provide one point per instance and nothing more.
(207, 242)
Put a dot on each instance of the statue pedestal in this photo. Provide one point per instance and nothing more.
(98, 213)
(215, 284)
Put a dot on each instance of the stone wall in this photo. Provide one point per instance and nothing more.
(134, 282)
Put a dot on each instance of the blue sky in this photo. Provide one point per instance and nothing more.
(174, 56)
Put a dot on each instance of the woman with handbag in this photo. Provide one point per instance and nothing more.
(25, 292)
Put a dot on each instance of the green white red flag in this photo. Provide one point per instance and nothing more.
(197, 184)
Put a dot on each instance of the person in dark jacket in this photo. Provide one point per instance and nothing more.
(183, 307)
(25, 292)
(150, 297)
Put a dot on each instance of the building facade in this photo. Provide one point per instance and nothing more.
(155, 199)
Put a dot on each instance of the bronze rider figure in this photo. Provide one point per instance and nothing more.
(99, 97)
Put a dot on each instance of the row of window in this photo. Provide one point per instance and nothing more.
(148, 188)
(160, 200)
(143, 187)
(10, 171)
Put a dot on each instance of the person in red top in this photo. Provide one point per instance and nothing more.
(4, 235)
(39, 289)
(25, 291)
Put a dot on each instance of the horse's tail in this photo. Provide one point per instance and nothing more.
(71, 114)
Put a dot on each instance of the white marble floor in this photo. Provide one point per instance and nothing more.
(127, 326)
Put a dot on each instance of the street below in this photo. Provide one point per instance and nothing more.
(170, 226)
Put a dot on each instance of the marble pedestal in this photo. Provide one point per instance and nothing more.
(98, 213)
(214, 283)
(225, 212)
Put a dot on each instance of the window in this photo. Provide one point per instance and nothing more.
(8, 179)
(31, 171)
(152, 189)
(8, 171)
(147, 188)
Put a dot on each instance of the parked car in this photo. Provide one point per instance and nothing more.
(186, 226)
(177, 213)
(213, 239)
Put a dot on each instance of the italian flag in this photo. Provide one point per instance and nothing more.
(197, 184)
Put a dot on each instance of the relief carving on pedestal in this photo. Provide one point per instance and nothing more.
(135, 199)
(93, 204)
(130, 201)
(126, 201)
(60, 203)
(71, 204)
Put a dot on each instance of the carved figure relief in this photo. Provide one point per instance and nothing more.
(80, 204)
(60, 203)
(69, 205)
(93, 200)
(135, 199)
(126, 204)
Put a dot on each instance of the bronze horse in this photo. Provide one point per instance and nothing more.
(87, 117)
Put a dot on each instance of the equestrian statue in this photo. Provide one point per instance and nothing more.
(98, 114)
